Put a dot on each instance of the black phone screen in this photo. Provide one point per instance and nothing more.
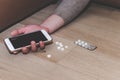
(24, 40)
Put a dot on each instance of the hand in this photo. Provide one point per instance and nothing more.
(28, 29)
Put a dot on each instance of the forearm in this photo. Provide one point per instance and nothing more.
(69, 9)
(52, 23)
(66, 11)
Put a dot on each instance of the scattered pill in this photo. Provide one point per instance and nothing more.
(56, 43)
(66, 47)
(85, 43)
(76, 42)
(79, 40)
(49, 55)
(62, 49)
(80, 44)
(60, 46)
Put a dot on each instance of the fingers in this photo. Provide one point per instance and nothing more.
(18, 31)
(26, 50)
(42, 45)
(14, 33)
(33, 46)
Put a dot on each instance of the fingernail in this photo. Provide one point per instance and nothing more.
(42, 45)
(25, 50)
(33, 46)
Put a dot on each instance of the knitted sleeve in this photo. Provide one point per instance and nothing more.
(69, 9)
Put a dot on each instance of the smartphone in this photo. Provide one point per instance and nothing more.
(15, 44)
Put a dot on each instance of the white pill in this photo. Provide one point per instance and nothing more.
(62, 49)
(58, 47)
(79, 43)
(76, 42)
(85, 43)
(82, 42)
(61, 45)
(66, 47)
(49, 55)
(79, 40)
(57, 42)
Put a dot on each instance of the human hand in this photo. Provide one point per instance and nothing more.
(28, 29)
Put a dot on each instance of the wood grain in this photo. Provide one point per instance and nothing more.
(99, 25)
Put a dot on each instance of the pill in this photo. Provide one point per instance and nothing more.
(62, 49)
(66, 47)
(49, 55)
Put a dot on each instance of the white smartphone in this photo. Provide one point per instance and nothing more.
(15, 44)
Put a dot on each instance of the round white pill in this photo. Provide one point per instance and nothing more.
(61, 45)
(49, 56)
(62, 49)
(85, 43)
(66, 47)
(58, 47)
(79, 40)
(82, 42)
(76, 42)
(57, 43)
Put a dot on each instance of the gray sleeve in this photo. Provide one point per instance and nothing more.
(69, 9)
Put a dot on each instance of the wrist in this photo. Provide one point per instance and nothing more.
(45, 28)
(53, 23)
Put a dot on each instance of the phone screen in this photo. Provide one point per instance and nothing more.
(24, 40)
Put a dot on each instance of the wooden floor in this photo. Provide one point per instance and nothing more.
(99, 25)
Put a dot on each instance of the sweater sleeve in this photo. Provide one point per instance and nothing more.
(69, 9)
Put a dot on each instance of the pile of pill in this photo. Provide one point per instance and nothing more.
(85, 45)
(60, 46)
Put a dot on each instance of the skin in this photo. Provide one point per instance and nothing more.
(49, 25)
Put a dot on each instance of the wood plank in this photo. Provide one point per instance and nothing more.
(99, 25)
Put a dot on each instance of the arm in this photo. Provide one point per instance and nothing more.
(65, 12)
